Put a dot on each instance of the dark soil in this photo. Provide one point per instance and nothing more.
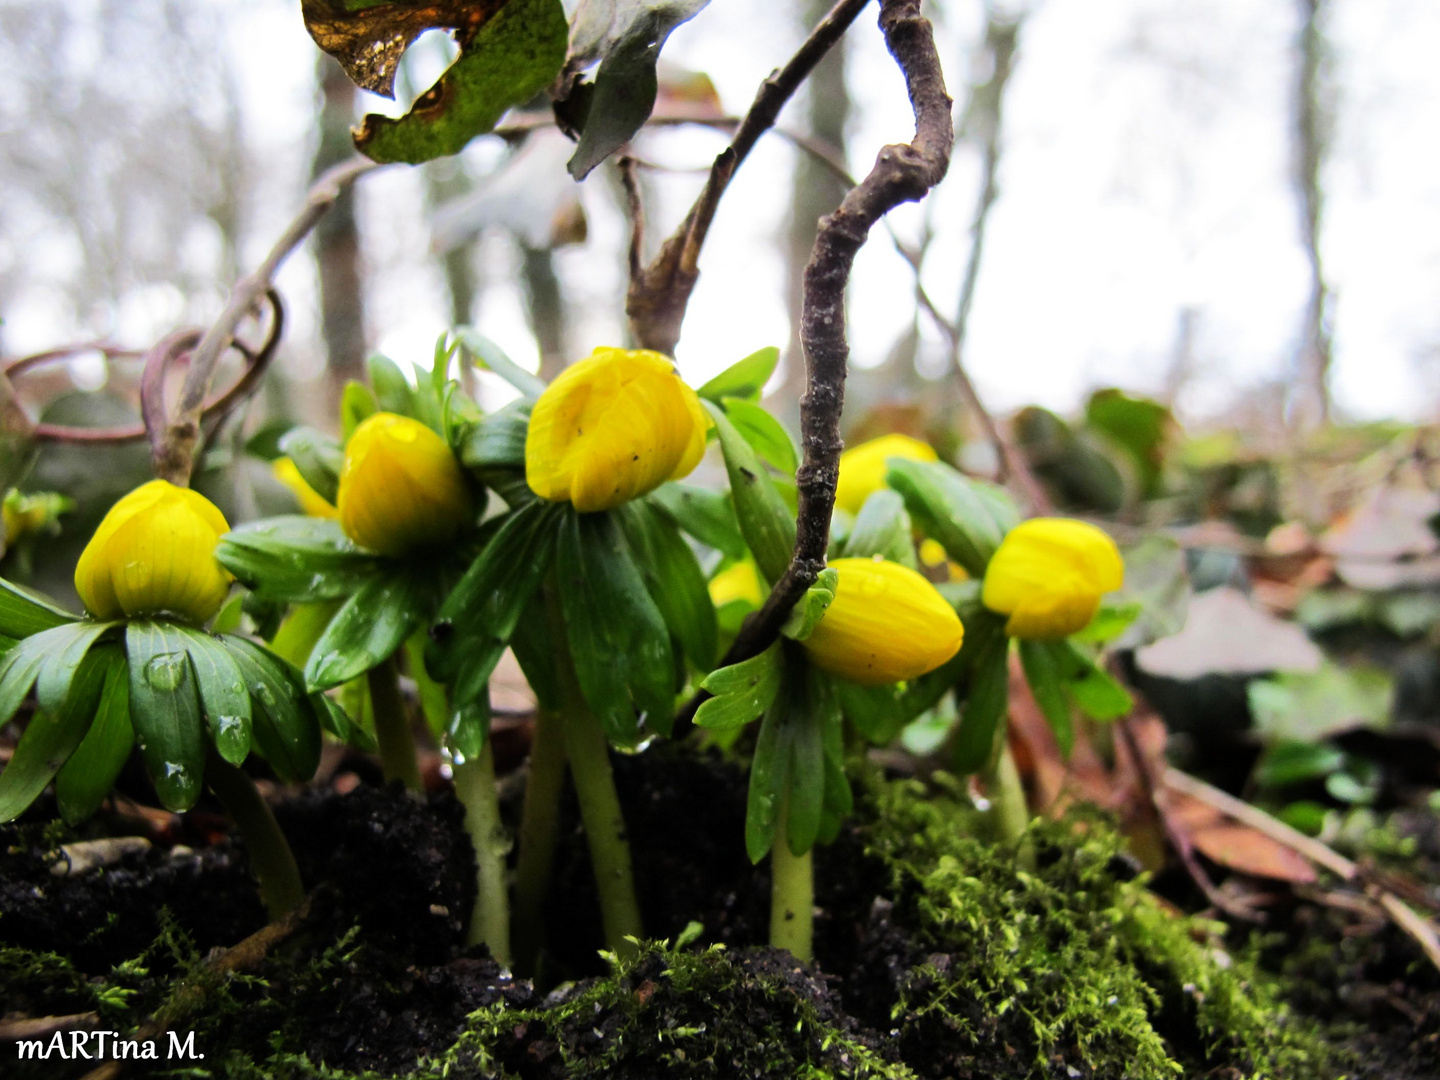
(378, 978)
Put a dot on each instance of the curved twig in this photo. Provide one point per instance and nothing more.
(175, 458)
(902, 173)
(659, 294)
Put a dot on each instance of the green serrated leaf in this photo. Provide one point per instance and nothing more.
(741, 692)
(284, 727)
(675, 580)
(488, 356)
(967, 517)
(67, 646)
(369, 627)
(882, 528)
(87, 777)
(357, 404)
(318, 457)
(51, 739)
(1044, 666)
(986, 701)
(811, 608)
(510, 58)
(708, 516)
(618, 637)
(393, 392)
(744, 379)
(24, 612)
(297, 559)
(224, 697)
(767, 524)
(762, 431)
(165, 710)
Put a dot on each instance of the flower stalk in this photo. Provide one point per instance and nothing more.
(490, 918)
(271, 859)
(539, 837)
(792, 894)
(393, 736)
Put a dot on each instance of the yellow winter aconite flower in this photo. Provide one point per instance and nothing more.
(1048, 575)
(738, 582)
(863, 468)
(611, 428)
(155, 551)
(885, 624)
(311, 501)
(400, 487)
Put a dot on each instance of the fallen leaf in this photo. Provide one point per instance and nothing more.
(1227, 634)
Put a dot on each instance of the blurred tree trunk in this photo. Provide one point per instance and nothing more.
(1314, 122)
(545, 304)
(446, 181)
(817, 191)
(337, 242)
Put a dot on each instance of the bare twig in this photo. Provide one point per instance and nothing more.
(1422, 930)
(902, 173)
(659, 294)
(1150, 784)
(175, 458)
(635, 210)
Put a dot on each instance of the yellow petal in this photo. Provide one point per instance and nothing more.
(740, 581)
(155, 552)
(863, 468)
(886, 623)
(401, 489)
(1048, 575)
(311, 502)
(609, 429)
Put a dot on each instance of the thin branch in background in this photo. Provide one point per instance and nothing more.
(175, 457)
(902, 173)
(1420, 929)
(1313, 123)
(659, 295)
(635, 210)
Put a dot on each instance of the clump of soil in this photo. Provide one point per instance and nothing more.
(938, 954)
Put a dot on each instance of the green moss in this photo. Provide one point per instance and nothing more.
(1069, 958)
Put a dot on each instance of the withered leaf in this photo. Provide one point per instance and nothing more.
(510, 50)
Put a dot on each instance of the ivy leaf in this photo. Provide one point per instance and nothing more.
(510, 50)
(741, 691)
(626, 36)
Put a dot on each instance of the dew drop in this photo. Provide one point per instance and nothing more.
(263, 694)
(165, 671)
(228, 724)
(174, 771)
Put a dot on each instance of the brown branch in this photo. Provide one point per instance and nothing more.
(1422, 930)
(635, 209)
(659, 294)
(176, 454)
(902, 173)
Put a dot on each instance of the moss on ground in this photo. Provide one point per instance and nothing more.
(1068, 962)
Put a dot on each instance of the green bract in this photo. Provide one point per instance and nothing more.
(178, 692)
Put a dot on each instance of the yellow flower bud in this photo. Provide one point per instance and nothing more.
(1048, 575)
(934, 556)
(310, 500)
(400, 487)
(738, 582)
(885, 624)
(611, 428)
(863, 468)
(155, 552)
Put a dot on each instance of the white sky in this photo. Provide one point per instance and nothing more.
(1145, 172)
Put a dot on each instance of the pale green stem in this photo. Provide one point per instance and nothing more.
(588, 752)
(1011, 811)
(393, 736)
(271, 859)
(792, 894)
(539, 836)
(490, 919)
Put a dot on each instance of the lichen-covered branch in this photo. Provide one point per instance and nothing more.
(902, 173)
(660, 292)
